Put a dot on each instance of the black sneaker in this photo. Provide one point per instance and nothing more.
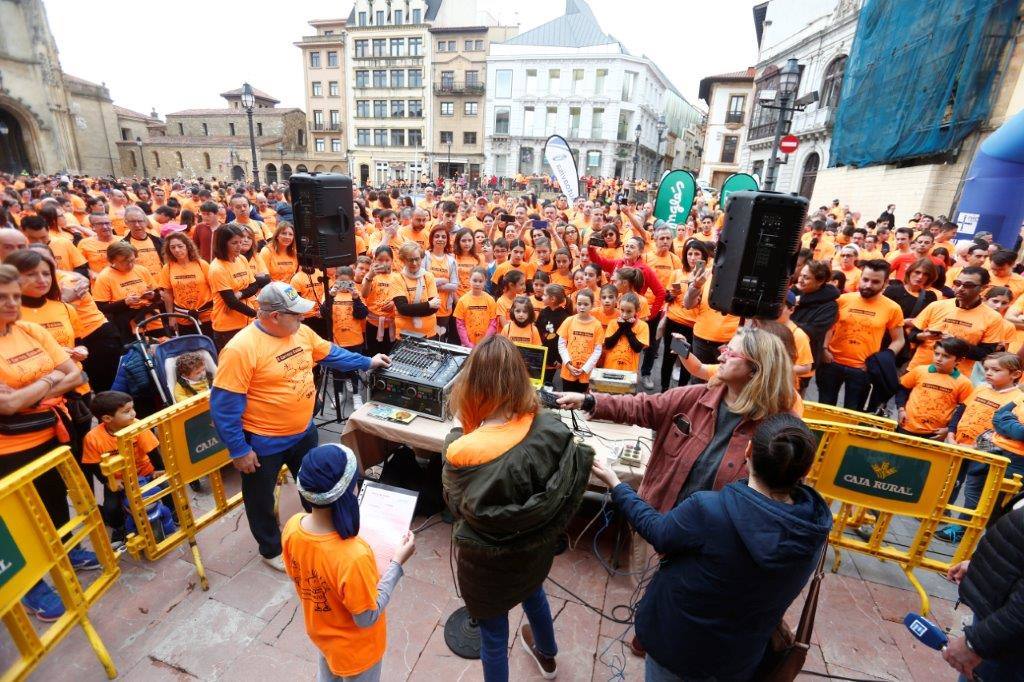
(546, 664)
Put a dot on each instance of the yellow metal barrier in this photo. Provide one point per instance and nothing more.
(31, 549)
(899, 475)
(840, 415)
(191, 451)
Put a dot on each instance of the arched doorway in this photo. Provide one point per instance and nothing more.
(809, 175)
(335, 169)
(237, 173)
(286, 171)
(13, 152)
(319, 168)
(271, 173)
(364, 173)
(301, 168)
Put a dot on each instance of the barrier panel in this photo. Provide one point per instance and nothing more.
(840, 415)
(31, 549)
(886, 474)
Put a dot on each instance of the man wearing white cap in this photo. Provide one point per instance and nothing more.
(263, 398)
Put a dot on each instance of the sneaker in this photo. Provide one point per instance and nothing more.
(276, 562)
(676, 373)
(546, 664)
(951, 533)
(864, 532)
(357, 401)
(83, 560)
(118, 538)
(43, 602)
(647, 382)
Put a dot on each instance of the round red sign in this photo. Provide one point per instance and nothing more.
(788, 144)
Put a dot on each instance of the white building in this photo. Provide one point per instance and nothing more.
(569, 77)
(729, 97)
(819, 35)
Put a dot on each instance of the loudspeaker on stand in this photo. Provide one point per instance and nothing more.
(325, 235)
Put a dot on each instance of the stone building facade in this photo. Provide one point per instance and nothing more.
(323, 59)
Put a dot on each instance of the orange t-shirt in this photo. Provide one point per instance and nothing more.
(335, 578)
(526, 267)
(488, 442)
(225, 276)
(27, 353)
(95, 253)
(622, 357)
(476, 311)
(516, 334)
(280, 266)
(348, 331)
(979, 408)
(89, 314)
(933, 397)
(310, 287)
(403, 286)
(980, 324)
(675, 310)
(114, 285)
(439, 268)
(503, 305)
(861, 326)
(276, 376)
(1013, 282)
(564, 281)
(581, 338)
(148, 257)
(803, 348)
(99, 442)
(606, 316)
(406, 234)
(61, 321)
(380, 294)
(65, 254)
(710, 324)
(465, 265)
(189, 284)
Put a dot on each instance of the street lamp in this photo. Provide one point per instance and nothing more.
(142, 157)
(789, 79)
(661, 126)
(636, 153)
(280, 167)
(450, 158)
(248, 101)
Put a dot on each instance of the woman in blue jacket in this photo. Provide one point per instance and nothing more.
(732, 560)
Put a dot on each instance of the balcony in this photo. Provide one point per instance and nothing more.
(459, 88)
(383, 61)
(324, 127)
(734, 117)
(817, 122)
(371, 86)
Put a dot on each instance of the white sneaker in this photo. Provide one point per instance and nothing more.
(348, 386)
(357, 401)
(676, 373)
(276, 563)
(647, 382)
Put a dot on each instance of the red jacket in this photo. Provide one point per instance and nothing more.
(651, 280)
(674, 453)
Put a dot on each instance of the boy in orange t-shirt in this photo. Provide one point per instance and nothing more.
(930, 393)
(476, 313)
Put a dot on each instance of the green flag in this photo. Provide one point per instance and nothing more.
(737, 182)
(675, 197)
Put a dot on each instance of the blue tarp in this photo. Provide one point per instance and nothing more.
(919, 78)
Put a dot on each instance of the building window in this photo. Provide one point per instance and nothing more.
(362, 108)
(361, 47)
(528, 120)
(126, 134)
(332, 89)
(380, 78)
(478, 45)
(441, 45)
(206, 129)
(379, 47)
(500, 164)
(415, 47)
(380, 18)
(447, 137)
(206, 161)
(757, 169)
(318, 119)
(625, 117)
(531, 81)
(577, 81)
(362, 79)
(397, 78)
(415, 108)
(501, 116)
(597, 124)
(380, 108)
(231, 129)
(833, 83)
(300, 138)
(318, 89)
(549, 120)
(361, 19)
(417, 16)
(179, 160)
(328, 32)
(473, 78)
(399, 17)
(181, 128)
(554, 75)
(736, 105)
(131, 158)
(468, 138)
(600, 77)
(363, 136)
(472, 108)
(526, 160)
(314, 60)
(397, 108)
(447, 108)
(451, 46)
(593, 163)
(259, 129)
(574, 121)
(416, 138)
(447, 80)
(398, 138)
(415, 78)
(628, 86)
(468, 47)
(380, 137)
(335, 119)
(318, 144)
(398, 47)
(729, 144)
(332, 58)
(503, 83)
(156, 159)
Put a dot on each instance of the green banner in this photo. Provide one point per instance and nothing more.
(675, 197)
(737, 182)
(881, 474)
(201, 437)
(11, 558)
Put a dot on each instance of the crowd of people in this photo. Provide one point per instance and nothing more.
(891, 314)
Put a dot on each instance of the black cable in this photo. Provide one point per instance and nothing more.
(835, 677)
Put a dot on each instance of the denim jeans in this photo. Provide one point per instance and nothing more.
(494, 636)
(832, 376)
(974, 482)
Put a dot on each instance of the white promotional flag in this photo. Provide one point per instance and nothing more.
(563, 166)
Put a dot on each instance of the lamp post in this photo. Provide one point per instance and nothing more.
(661, 126)
(142, 157)
(636, 152)
(449, 158)
(789, 79)
(248, 102)
(280, 167)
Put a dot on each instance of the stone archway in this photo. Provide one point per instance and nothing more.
(19, 146)
(237, 173)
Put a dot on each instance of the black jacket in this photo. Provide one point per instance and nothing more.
(815, 313)
(994, 589)
(509, 513)
(732, 563)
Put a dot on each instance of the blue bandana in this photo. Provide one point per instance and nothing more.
(327, 478)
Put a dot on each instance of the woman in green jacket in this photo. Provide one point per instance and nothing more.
(513, 477)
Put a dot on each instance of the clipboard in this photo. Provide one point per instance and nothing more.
(385, 514)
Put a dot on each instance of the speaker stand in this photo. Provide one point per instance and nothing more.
(462, 634)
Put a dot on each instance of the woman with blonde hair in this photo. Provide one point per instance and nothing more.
(513, 478)
(414, 293)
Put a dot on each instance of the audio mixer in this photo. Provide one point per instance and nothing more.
(420, 376)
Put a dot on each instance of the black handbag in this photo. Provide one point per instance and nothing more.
(31, 422)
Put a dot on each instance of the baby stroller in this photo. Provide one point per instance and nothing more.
(162, 364)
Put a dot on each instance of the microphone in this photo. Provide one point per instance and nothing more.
(929, 634)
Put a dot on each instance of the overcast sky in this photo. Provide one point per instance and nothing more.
(181, 54)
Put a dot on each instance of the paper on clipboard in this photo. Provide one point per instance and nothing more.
(385, 513)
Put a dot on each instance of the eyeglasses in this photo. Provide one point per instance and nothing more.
(965, 285)
(727, 353)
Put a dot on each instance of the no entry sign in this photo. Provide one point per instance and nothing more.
(788, 144)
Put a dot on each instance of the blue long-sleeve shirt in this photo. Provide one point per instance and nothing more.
(1005, 423)
(228, 407)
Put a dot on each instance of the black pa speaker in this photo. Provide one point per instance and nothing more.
(325, 234)
(757, 253)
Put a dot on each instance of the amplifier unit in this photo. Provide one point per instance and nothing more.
(613, 381)
(420, 376)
